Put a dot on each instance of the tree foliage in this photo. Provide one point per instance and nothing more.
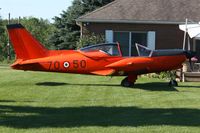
(67, 31)
(90, 39)
(3, 41)
(90, 5)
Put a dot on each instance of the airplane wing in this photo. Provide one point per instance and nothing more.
(106, 72)
(133, 64)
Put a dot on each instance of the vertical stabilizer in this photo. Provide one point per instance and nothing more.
(24, 44)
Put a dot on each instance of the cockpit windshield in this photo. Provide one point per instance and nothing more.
(146, 52)
(112, 49)
(143, 51)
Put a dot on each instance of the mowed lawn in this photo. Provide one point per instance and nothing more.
(53, 102)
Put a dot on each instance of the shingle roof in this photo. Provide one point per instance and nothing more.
(172, 11)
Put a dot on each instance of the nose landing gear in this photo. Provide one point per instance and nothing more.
(173, 81)
(129, 81)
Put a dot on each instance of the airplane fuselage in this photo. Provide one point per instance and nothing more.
(72, 61)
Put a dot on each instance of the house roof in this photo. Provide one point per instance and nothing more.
(145, 11)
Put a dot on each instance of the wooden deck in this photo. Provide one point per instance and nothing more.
(187, 75)
(191, 77)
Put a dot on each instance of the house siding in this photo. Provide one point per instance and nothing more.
(168, 36)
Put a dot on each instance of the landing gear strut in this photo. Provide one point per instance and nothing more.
(173, 82)
(129, 81)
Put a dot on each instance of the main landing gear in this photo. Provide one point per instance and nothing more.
(129, 81)
(173, 83)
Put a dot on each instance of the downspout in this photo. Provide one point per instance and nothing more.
(80, 24)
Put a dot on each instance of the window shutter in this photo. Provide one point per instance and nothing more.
(151, 40)
(109, 36)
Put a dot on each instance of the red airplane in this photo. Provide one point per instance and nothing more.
(101, 59)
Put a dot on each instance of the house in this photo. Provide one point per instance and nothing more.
(153, 23)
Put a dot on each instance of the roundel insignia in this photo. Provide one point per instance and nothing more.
(66, 64)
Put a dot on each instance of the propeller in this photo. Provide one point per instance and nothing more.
(189, 55)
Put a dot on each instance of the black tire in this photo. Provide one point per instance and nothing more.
(173, 83)
(126, 83)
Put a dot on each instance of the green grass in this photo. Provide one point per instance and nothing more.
(52, 102)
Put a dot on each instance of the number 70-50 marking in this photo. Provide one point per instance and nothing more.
(76, 64)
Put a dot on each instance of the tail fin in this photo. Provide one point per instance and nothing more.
(25, 45)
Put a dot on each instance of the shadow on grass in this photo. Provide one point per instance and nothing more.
(62, 84)
(38, 117)
(7, 101)
(51, 84)
(155, 86)
(12, 101)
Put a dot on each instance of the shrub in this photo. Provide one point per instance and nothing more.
(164, 75)
(90, 40)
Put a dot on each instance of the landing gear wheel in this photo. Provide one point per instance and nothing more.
(126, 83)
(173, 83)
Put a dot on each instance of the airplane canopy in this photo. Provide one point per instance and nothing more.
(108, 48)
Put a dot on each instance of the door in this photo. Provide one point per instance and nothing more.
(127, 41)
(123, 39)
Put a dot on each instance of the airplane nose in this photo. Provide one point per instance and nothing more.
(190, 54)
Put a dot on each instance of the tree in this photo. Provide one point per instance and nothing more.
(90, 5)
(67, 32)
(3, 40)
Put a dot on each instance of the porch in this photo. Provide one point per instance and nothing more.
(186, 74)
(191, 77)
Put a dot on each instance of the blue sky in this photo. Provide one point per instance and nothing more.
(46, 9)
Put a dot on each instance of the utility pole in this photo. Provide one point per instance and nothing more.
(185, 34)
(19, 19)
(8, 44)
